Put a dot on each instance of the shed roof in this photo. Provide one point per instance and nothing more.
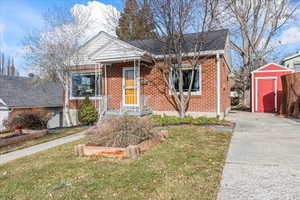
(273, 67)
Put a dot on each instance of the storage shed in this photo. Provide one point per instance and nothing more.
(267, 88)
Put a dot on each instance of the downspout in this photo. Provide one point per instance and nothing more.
(252, 92)
(218, 86)
(106, 95)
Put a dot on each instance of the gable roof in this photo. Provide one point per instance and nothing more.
(24, 92)
(291, 57)
(272, 67)
(104, 47)
(211, 40)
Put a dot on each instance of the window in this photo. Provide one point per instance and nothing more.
(187, 76)
(297, 67)
(86, 84)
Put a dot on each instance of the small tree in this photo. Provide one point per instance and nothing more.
(254, 25)
(52, 50)
(173, 20)
(87, 112)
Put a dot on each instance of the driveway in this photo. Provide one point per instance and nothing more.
(263, 161)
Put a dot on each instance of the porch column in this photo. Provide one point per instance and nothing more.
(137, 81)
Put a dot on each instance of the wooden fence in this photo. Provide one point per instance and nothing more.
(290, 106)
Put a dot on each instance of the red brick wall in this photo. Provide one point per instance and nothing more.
(160, 100)
(158, 93)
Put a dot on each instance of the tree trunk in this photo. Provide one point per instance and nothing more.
(66, 106)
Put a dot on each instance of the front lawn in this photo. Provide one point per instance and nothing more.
(53, 134)
(188, 165)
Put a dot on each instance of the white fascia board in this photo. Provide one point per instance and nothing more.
(123, 59)
(201, 53)
(279, 70)
(1, 101)
(291, 57)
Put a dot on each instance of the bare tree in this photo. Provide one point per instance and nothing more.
(254, 24)
(52, 51)
(173, 20)
(7, 66)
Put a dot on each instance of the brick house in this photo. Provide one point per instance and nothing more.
(120, 77)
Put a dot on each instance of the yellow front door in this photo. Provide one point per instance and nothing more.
(130, 90)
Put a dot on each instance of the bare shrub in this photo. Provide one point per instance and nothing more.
(28, 120)
(121, 132)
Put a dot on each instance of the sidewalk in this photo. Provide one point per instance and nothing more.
(39, 147)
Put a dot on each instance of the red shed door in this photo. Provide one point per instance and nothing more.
(266, 95)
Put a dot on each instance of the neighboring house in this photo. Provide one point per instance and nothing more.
(292, 62)
(22, 94)
(120, 77)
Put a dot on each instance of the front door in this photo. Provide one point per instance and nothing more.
(129, 87)
(267, 95)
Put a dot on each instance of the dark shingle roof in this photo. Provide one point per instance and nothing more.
(27, 92)
(211, 40)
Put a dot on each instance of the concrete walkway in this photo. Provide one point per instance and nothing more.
(263, 161)
(39, 147)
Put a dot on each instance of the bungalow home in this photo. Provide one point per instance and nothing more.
(24, 94)
(120, 77)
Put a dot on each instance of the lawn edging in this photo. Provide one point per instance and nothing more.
(132, 151)
(26, 136)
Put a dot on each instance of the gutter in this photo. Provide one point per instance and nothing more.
(204, 53)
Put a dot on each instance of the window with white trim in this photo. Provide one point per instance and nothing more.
(86, 84)
(187, 77)
(297, 67)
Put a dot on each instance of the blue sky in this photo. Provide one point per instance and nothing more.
(19, 16)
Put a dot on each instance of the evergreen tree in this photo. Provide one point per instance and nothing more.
(87, 112)
(135, 22)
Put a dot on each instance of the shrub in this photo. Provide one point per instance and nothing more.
(28, 120)
(121, 132)
(87, 112)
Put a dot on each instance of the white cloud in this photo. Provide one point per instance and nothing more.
(101, 17)
(290, 36)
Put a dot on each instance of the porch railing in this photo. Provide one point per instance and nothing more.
(141, 106)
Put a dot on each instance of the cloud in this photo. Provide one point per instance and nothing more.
(290, 36)
(101, 17)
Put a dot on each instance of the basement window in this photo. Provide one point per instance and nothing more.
(86, 85)
(187, 77)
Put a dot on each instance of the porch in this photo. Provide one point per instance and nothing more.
(142, 109)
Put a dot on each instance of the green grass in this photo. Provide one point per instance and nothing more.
(53, 134)
(173, 120)
(188, 165)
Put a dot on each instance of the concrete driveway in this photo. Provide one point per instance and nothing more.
(263, 161)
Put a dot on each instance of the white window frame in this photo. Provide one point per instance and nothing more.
(85, 72)
(187, 67)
